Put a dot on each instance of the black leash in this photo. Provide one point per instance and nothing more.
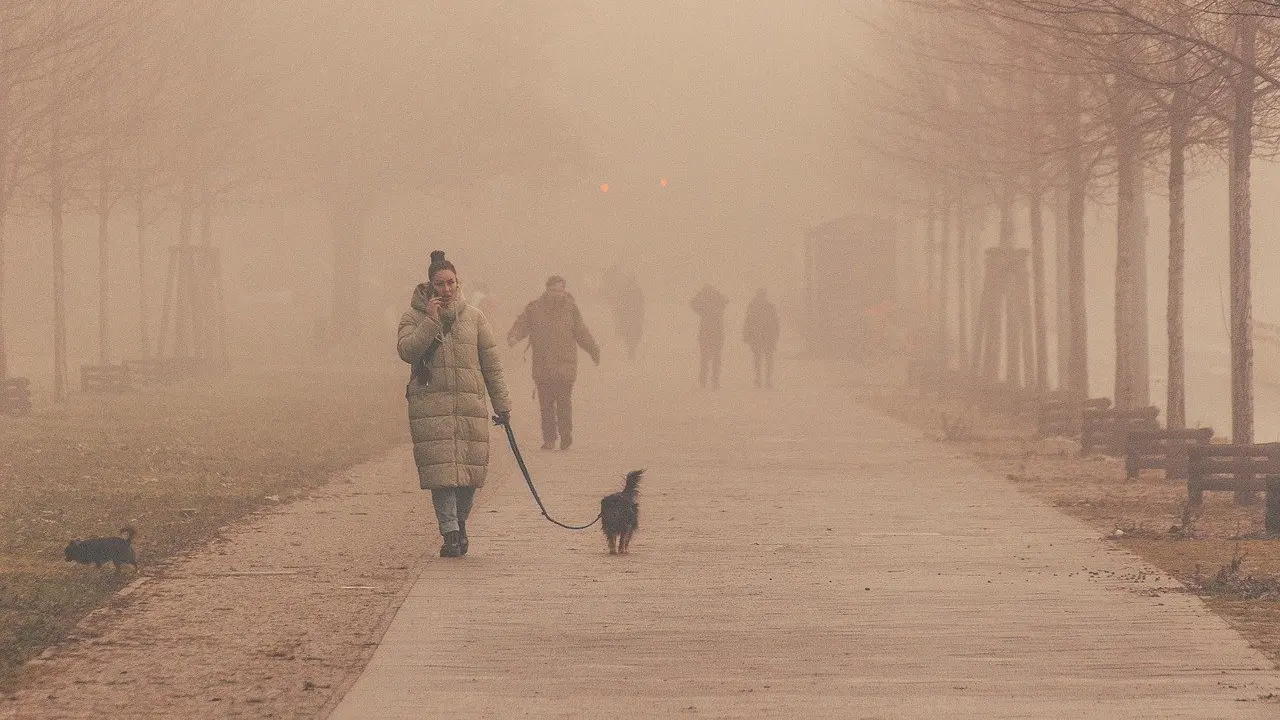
(515, 449)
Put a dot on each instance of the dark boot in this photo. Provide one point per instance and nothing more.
(451, 548)
(462, 537)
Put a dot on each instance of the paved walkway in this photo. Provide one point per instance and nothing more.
(799, 557)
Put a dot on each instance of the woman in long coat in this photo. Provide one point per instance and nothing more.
(455, 364)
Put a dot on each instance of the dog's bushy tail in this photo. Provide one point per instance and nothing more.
(128, 532)
(633, 481)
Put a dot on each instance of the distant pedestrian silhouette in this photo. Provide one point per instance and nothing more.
(709, 304)
(628, 314)
(760, 333)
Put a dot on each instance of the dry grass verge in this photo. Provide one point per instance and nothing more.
(178, 463)
(1218, 550)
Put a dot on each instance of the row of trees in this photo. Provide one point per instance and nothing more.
(994, 105)
(170, 109)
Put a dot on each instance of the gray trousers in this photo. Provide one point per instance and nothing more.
(453, 505)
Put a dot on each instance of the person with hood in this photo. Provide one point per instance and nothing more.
(456, 363)
(760, 333)
(709, 304)
(555, 330)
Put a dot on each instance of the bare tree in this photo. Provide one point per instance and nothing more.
(446, 114)
(38, 38)
(46, 53)
(1008, 139)
(1225, 34)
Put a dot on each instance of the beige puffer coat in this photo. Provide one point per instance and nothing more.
(448, 416)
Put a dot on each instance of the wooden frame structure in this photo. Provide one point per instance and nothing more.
(1002, 328)
(193, 319)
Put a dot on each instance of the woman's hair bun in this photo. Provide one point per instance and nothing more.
(438, 263)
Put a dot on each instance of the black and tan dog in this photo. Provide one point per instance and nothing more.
(620, 514)
(96, 551)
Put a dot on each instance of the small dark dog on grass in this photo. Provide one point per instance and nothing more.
(620, 514)
(96, 551)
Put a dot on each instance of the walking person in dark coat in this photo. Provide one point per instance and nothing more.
(709, 304)
(760, 333)
(555, 330)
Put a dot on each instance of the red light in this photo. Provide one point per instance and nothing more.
(662, 182)
(604, 187)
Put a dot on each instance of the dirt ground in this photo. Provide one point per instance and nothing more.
(1219, 550)
(277, 614)
(269, 621)
(178, 463)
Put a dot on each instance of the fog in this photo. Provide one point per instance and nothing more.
(731, 103)
(978, 221)
(315, 141)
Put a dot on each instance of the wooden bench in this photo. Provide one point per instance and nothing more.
(162, 371)
(1238, 468)
(15, 396)
(1242, 469)
(106, 378)
(149, 371)
(1062, 417)
(999, 397)
(1107, 429)
(1162, 450)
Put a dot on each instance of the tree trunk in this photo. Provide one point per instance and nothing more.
(1238, 174)
(1141, 367)
(348, 236)
(201, 325)
(944, 271)
(104, 216)
(986, 343)
(962, 287)
(140, 201)
(206, 216)
(1061, 286)
(6, 193)
(4, 351)
(1039, 330)
(59, 269)
(931, 281)
(184, 300)
(1132, 380)
(1077, 189)
(1007, 229)
(976, 280)
(1176, 405)
(1013, 347)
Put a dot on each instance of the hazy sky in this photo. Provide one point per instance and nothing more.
(731, 101)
